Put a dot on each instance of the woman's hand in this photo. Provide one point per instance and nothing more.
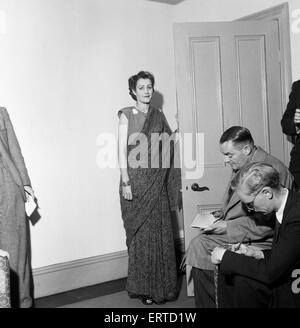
(4, 253)
(127, 193)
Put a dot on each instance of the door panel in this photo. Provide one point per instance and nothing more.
(226, 74)
(207, 77)
(280, 15)
(252, 86)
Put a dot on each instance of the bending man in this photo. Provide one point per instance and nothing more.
(264, 278)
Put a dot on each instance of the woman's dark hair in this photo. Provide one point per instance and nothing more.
(237, 134)
(132, 81)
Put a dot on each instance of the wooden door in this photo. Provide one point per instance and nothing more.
(227, 73)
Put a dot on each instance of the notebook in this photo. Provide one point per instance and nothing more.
(203, 220)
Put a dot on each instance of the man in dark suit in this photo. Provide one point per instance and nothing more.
(291, 126)
(263, 278)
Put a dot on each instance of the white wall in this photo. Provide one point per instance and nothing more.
(64, 66)
(228, 10)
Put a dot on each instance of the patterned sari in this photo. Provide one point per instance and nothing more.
(152, 270)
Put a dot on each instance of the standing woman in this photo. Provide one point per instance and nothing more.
(14, 185)
(146, 201)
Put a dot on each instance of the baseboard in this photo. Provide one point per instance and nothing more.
(58, 278)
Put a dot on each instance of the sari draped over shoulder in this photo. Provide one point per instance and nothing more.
(155, 183)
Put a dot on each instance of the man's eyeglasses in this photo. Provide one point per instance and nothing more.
(250, 205)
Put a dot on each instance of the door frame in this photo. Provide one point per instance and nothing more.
(280, 14)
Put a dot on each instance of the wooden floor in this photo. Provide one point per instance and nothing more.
(109, 295)
(81, 294)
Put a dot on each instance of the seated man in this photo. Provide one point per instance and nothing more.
(264, 278)
(238, 149)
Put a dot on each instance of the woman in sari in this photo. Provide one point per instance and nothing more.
(149, 190)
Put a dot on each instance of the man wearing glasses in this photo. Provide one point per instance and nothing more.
(263, 278)
(234, 221)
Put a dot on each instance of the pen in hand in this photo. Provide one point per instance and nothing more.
(240, 243)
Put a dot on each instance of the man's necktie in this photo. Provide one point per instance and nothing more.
(276, 229)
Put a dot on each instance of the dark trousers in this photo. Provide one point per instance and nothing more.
(242, 292)
(204, 288)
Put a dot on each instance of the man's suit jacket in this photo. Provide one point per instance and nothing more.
(238, 220)
(276, 268)
(10, 152)
(289, 128)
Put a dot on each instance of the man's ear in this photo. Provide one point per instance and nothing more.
(267, 192)
(247, 150)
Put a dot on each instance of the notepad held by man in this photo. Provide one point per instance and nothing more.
(203, 220)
